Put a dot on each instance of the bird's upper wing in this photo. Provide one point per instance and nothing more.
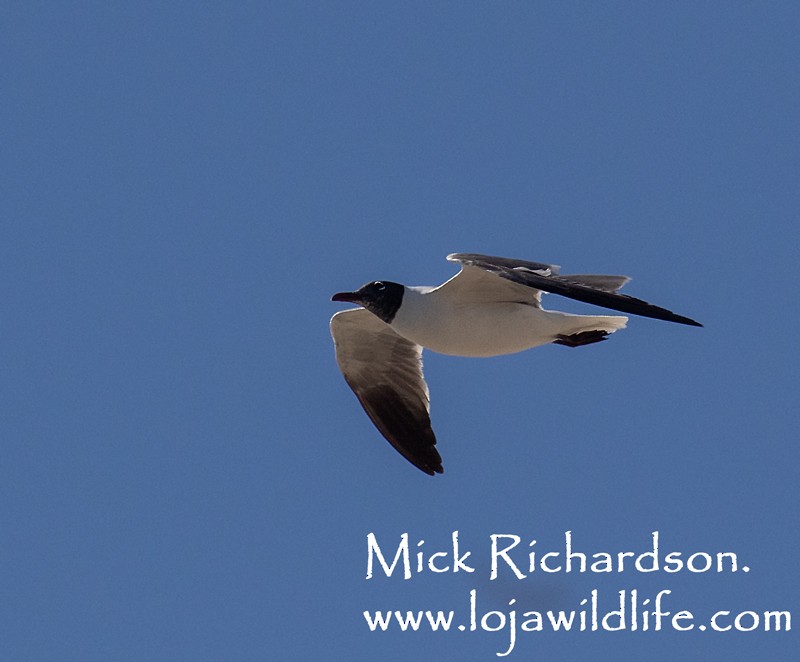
(590, 288)
(385, 372)
(476, 283)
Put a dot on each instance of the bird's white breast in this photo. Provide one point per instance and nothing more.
(471, 329)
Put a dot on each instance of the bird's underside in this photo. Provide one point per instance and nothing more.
(379, 346)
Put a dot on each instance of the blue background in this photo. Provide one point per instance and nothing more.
(185, 474)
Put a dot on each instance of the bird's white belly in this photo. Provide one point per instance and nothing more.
(486, 329)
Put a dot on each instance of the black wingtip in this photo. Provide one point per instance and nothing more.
(433, 471)
(688, 321)
(430, 468)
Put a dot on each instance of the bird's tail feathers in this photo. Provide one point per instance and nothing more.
(609, 323)
(588, 329)
(569, 323)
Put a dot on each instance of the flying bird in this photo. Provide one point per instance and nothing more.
(492, 306)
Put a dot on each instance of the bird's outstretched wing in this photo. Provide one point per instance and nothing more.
(385, 372)
(598, 290)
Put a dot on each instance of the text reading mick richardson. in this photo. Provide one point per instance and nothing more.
(516, 557)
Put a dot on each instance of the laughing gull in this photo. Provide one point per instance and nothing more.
(492, 306)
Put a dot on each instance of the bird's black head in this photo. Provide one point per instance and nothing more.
(381, 298)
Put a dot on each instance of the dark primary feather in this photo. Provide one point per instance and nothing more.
(405, 425)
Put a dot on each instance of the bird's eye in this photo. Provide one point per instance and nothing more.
(379, 286)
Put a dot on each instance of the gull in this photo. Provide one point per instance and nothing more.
(492, 306)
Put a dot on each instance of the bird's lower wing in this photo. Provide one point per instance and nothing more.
(385, 372)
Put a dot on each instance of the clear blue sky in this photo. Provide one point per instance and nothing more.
(185, 474)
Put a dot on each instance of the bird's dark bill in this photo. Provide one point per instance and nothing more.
(352, 297)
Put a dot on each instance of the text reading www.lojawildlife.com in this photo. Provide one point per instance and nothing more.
(628, 610)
